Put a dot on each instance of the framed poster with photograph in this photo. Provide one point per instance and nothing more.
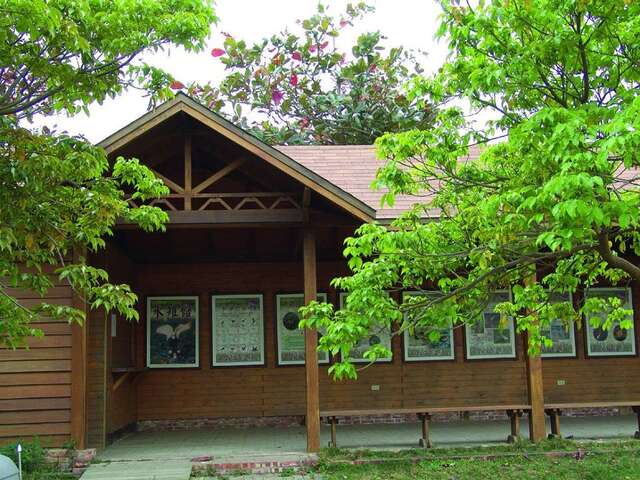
(491, 336)
(172, 332)
(616, 341)
(378, 335)
(561, 333)
(290, 337)
(237, 330)
(418, 347)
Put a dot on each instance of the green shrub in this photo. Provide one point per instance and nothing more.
(33, 455)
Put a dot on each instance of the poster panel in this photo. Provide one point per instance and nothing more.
(237, 330)
(418, 347)
(491, 336)
(290, 337)
(172, 332)
(377, 335)
(616, 341)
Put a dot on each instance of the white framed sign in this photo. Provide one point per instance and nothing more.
(561, 334)
(172, 332)
(615, 341)
(491, 336)
(378, 335)
(237, 330)
(418, 347)
(290, 337)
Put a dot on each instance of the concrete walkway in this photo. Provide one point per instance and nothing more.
(138, 470)
(262, 442)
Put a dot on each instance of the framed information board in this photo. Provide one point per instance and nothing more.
(378, 335)
(418, 347)
(492, 336)
(561, 333)
(172, 332)
(290, 337)
(616, 341)
(237, 330)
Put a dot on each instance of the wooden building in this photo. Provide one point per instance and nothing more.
(252, 225)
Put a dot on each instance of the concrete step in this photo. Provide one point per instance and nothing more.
(139, 470)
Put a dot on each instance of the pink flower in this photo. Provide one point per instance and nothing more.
(217, 52)
(277, 96)
(343, 23)
(296, 56)
(312, 48)
(176, 85)
(304, 123)
(324, 45)
(373, 67)
(293, 80)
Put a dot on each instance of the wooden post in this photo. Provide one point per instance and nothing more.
(535, 387)
(425, 440)
(188, 182)
(79, 373)
(311, 344)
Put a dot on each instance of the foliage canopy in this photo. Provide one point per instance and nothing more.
(550, 208)
(299, 87)
(59, 195)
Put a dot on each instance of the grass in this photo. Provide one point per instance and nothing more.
(523, 461)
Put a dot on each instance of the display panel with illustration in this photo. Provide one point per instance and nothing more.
(378, 335)
(491, 336)
(419, 347)
(172, 332)
(237, 330)
(560, 332)
(290, 337)
(616, 340)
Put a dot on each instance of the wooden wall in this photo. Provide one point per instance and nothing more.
(35, 383)
(105, 353)
(595, 379)
(274, 390)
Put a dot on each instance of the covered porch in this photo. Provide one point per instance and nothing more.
(247, 220)
(273, 442)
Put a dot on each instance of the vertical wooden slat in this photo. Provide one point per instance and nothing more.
(188, 177)
(78, 373)
(310, 343)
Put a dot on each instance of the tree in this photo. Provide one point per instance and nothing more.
(300, 87)
(549, 208)
(59, 195)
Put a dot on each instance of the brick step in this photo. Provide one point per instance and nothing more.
(254, 465)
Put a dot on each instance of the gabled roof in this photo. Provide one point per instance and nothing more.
(353, 168)
(308, 177)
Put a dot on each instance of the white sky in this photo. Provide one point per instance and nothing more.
(410, 23)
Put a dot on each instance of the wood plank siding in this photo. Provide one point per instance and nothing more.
(35, 383)
(280, 390)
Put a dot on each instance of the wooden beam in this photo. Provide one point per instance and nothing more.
(535, 389)
(311, 345)
(218, 175)
(79, 374)
(169, 183)
(187, 173)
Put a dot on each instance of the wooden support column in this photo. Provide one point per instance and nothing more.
(311, 344)
(535, 389)
(79, 373)
(188, 176)
(537, 427)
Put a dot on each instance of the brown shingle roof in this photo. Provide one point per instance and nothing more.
(352, 168)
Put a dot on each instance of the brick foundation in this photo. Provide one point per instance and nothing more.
(74, 461)
(298, 420)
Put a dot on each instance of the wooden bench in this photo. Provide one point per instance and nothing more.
(554, 411)
(514, 412)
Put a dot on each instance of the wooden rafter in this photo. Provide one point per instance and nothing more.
(187, 173)
(218, 175)
(169, 183)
